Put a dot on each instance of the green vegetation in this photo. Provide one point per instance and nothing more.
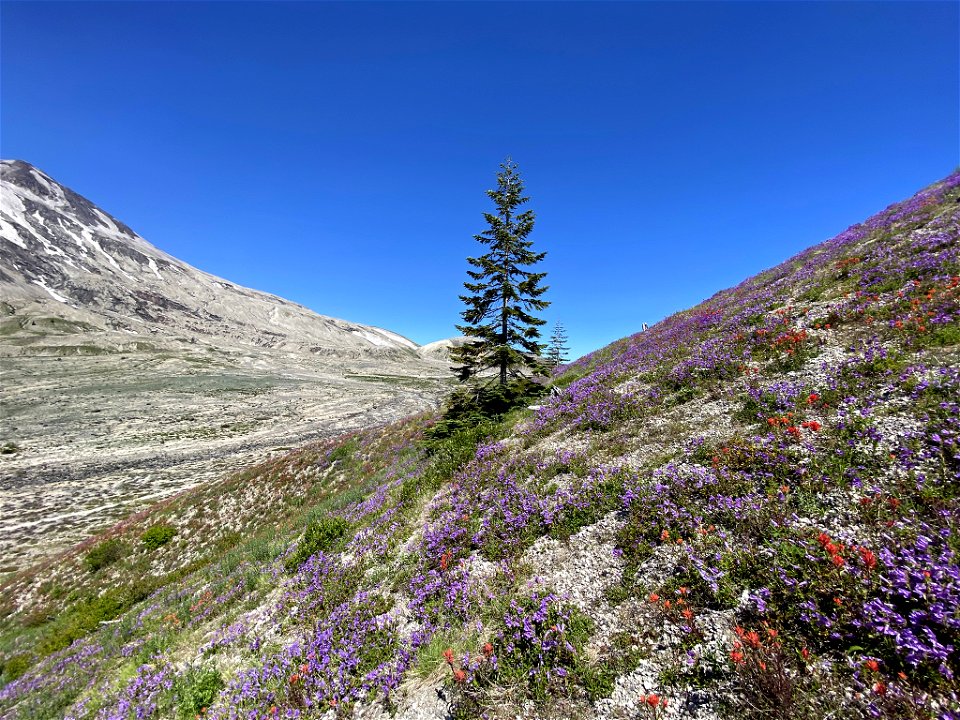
(558, 349)
(502, 334)
(197, 689)
(344, 452)
(942, 335)
(158, 535)
(105, 553)
(321, 535)
(15, 666)
(471, 406)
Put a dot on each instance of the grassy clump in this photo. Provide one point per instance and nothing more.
(344, 452)
(15, 667)
(83, 618)
(321, 535)
(158, 535)
(196, 690)
(106, 553)
(941, 336)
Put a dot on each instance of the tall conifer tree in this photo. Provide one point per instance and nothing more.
(501, 331)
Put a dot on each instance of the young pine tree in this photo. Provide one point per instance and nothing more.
(557, 350)
(501, 330)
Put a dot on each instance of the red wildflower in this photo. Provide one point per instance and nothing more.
(654, 598)
(872, 665)
(448, 656)
(869, 559)
(880, 688)
(459, 675)
(487, 649)
(812, 398)
(653, 700)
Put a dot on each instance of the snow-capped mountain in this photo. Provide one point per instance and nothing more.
(61, 255)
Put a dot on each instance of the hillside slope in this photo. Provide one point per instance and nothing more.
(752, 509)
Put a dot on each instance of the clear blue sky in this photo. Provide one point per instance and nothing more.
(338, 154)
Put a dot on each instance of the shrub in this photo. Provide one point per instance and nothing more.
(15, 667)
(9, 448)
(158, 535)
(82, 619)
(321, 535)
(469, 407)
(197, 689)
(344, 452)
(106, 553)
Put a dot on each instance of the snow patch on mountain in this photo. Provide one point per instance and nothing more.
(55, 295)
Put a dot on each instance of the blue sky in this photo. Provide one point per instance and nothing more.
(337, 154)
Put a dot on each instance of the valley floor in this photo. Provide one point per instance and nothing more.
(96, 438)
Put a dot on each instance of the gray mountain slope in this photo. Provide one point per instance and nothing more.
(127, 375)
(59, 250)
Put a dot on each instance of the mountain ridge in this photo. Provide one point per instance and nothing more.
(62, 247)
